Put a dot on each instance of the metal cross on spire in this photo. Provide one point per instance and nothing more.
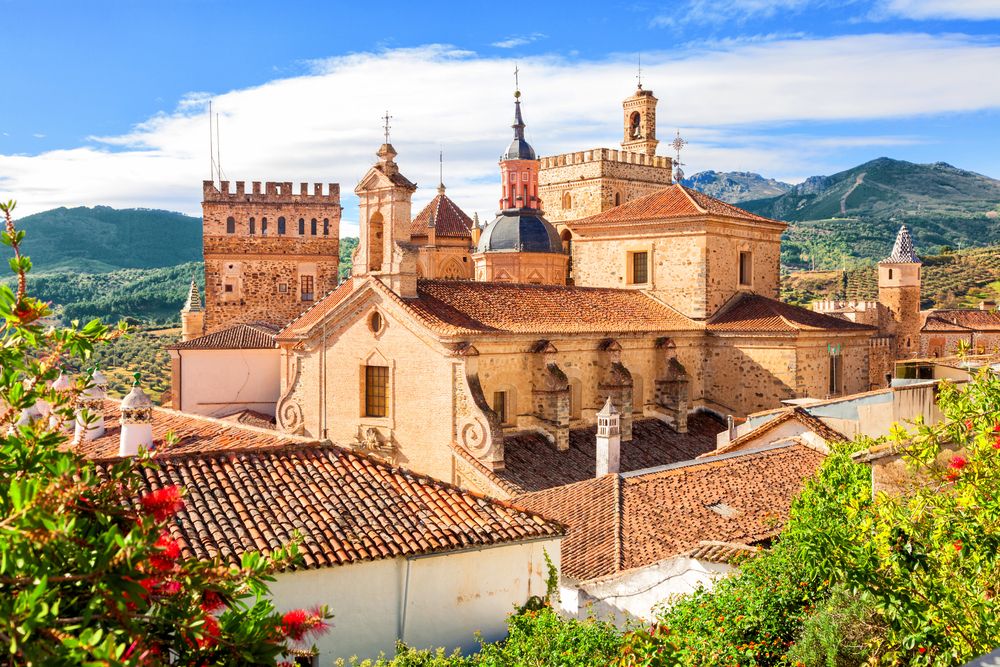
(386, 125)
(678, 143)
(517, 86)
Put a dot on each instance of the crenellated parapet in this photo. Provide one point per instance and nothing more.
(271, 192)
(606, 155)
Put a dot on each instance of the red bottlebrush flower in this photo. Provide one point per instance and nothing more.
(150, 584)
(298, 623)
(211, 601)
(957, 544)
(163, 503)
(968, 424)
(169, 552)
(996, 443)
(952, 476)
(921, 650)
(171, 587)
(209, 632)
(957, 462)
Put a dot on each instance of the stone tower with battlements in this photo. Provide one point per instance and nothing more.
(270, 253)
(899, 291)
(584, 183)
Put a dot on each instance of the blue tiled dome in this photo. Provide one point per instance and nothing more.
(519, 231)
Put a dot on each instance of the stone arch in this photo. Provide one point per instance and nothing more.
(618, 199)
(281, 226)
(451, 270)
(253, 226)
(230, 225)
(567, 201)
(376, 226)
(635, 125)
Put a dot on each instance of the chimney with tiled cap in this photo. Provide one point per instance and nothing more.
(609, 439)
(136, 421)
(192, 314)
(90, 408)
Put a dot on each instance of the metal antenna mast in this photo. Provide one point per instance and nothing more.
(211, 144)
(638, 75)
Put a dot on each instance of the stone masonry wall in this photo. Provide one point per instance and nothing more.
(263, 269)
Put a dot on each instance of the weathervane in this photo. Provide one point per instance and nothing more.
(678, 143)
(386, 126)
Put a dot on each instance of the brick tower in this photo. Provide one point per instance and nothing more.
(899, 291)
(270, 254)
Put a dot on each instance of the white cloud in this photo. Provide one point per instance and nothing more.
(728, 11)
(975, 10)
(325, 125)
(518, 40)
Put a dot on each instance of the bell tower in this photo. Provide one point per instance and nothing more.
(640, 122)
(899, 291)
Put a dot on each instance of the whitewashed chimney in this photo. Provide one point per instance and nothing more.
(28, 415)
(609, 439)
(61, 383)
(91, 401)
(136, 421)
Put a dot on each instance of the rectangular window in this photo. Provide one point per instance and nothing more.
(640, 268)
(229, 288)
(307, 288)
(836, 372)
(376, 391)
(746, 268)
(500, 405)
(283, 287)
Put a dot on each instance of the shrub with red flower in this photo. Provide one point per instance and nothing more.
(300, 623)
(162, 503)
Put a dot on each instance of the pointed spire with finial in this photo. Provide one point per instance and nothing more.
(519, 148)
(193, 303)
(903, 251)
(441, 172)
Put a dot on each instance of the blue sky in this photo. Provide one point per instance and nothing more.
(105, 100)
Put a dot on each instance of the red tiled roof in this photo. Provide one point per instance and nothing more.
(449, 219)
(317, 312)
(250, 489)
(967, 318)
(674, 201)
(346, 506)
(814, 424)
(532, 464)
(622, 522)
(189, 433)
(252, 418)
(253, 336)
(749, 312)
(466, 307)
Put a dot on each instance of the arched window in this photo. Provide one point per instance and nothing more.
(634, 128)
(253, 226)
(230, 225)
(312, 227)
(890, 274)
(281, 226)
(567, 201)
(263, 226)
(326, 226)
(618, 199)
(302, 226)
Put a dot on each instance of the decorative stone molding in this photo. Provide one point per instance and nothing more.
(289, 411)
(476, 426)
(673, 394)
(550, 396)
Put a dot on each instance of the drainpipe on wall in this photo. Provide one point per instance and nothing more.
(404, 598)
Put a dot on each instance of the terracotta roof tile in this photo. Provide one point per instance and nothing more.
(449, 219)
(674, 201)
(252, 418)
(252, 336)
(749, 312)
(740, 498)
(250, 489)
(318, 310)
(189, 433)
(532, 464)
(966, 318)
(814, 424)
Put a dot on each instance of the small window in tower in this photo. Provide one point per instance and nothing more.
(263, 226)
(283, 288)
(376, 391)
(326, 226)
(639, 268)
(302, 226)
(307, 288)
(228, 288)
(746, 268)
(230, 225)
(836, 371)
(500, 405)
(618, 199)
(281, 226)
(567, 201)
(312, 227)
(524, 175)
(253, 226)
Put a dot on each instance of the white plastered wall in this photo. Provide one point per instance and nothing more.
(216, 383)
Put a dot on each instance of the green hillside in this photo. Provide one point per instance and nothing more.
(950, 280)
(852, 217)
(102, 239)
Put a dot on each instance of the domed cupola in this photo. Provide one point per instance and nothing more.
(520, 245)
